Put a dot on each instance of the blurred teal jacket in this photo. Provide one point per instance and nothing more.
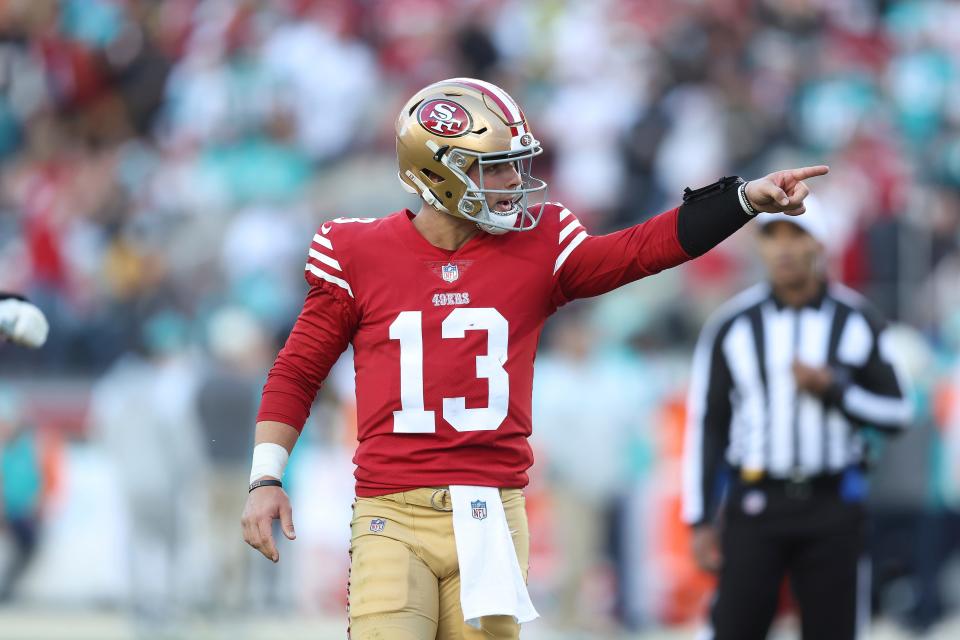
(21, 479)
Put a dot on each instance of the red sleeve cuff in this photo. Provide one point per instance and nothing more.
(292, 418)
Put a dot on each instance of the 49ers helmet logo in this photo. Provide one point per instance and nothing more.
(444, 118)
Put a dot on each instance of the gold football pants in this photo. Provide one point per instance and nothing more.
(404, 577)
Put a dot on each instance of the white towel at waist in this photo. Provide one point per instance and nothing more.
(491, 583)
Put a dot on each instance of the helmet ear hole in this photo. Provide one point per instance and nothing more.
(436, 179)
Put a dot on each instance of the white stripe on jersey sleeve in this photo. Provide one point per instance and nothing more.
(320, 264)
(567, 230)
(876, 408)
(323, 275)
(319, 257)
(580, 237)
(322, 241)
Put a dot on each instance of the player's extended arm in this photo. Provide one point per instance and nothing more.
(322, 332)
(597, 264)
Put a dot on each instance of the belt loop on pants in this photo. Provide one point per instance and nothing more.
(439, 498)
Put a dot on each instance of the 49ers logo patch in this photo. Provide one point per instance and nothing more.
(444, 118)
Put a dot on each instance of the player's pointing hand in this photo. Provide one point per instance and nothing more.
(783, 190)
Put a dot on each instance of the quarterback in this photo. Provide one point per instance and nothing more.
(444, 309)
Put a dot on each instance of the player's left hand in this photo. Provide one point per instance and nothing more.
(783, 191)
(23, 323)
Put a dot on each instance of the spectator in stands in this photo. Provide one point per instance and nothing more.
(21, 490)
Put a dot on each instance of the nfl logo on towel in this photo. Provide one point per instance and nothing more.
(377, 525)
(450, 272)
(479, 509)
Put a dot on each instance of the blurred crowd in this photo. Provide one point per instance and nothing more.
(163, 166)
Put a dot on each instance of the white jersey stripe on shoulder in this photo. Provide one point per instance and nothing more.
(323, 242)
(316, 255)
(565, 213)
(580, 237)
(567, 230)
(323, 275)
(352, 220)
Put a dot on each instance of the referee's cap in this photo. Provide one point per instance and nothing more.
(813, 221)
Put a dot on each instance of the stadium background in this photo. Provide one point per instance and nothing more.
(164, 164)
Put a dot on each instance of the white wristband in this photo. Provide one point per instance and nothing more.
(745, 201)
(269, 459)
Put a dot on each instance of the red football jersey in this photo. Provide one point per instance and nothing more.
(444, 341)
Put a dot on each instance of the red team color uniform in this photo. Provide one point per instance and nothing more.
(444, 341)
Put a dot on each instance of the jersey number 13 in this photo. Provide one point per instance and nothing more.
(412, 417)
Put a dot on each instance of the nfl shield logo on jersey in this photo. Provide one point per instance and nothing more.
(377, 525)
(450, 272)
(479, 509)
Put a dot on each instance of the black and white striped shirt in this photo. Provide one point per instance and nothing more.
(744, 405)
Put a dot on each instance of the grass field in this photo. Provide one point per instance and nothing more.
(19, 623)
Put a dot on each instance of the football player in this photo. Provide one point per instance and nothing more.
(444, 309)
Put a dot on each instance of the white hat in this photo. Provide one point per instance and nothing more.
(813, 221)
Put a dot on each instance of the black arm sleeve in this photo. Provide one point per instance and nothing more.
(710, 215)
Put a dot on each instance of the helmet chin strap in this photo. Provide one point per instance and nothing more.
(498, 231)
(508, 218)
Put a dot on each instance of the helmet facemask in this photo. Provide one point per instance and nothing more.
(473, 204)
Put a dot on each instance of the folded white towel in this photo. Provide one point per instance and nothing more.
(491, 583)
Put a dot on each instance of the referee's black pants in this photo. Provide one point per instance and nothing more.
(807, 532)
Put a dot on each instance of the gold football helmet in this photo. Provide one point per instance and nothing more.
(450, 125)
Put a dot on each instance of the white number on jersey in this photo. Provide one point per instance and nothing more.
(412, 417)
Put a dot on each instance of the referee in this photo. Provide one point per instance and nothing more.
(785, 377)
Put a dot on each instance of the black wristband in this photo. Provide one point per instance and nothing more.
(710, 215)
(265, 483)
